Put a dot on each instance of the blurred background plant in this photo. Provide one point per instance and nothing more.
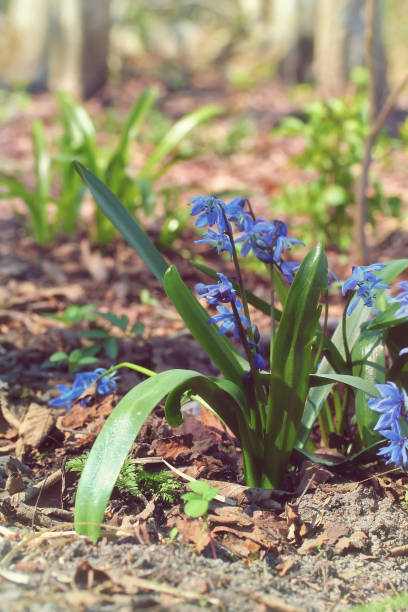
(260, 58)
(334, 134)
(96, 341)
(78, 142)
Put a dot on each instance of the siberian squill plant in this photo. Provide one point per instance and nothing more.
(269, 401)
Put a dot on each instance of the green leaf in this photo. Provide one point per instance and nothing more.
(370, 352)
(121, 322)
(138, 329)
(318, 395)
(175, 135)
(87, 360)
(133, 124)
(124, 222)
(289, 377)
(79, 130)
(196, 507)
(357, 382)
(218, 348)
(359, 457)
(42, 164)
(225, 398)
(112, 446)
(94, 334)
(110, 346)
(386, 319)
(200, 487)
(75, 355)
(58, 356)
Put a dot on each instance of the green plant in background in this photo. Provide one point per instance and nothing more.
(136, 192)
(271, 405)
(79, 141)
(161, 486)
(240, 130)
(39, 223)
(101, 339)
(334, 133)
(76, 359)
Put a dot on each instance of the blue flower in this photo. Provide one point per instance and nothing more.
(221, 242)
(234, 211)
(256, 239)
(332, 277)
(222, 292)
(259, 362)
(403, 351)
(397, 449)
(268, 240)
(364, 281)
(228, 321)
(209, 209)
(392, 405)
(402, 298)
(288, 269)
(279, 241)
(82, 381)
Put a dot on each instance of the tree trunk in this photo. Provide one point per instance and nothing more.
(292, 38)
(340, 47)
(78, 46)
(61, 45)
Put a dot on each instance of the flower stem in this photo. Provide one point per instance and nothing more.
(238, 271)
(272, 339)
(242, 336)
(344, 334)
(131, 366)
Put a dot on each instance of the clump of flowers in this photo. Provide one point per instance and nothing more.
(393, 422)
(363, 282)
(267, 240)
(83, 380)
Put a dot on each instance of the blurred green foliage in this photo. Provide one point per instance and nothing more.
(96, 340)
(49, 213)
(334, 133)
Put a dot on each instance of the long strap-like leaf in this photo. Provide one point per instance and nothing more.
(112, 446)
(124, 222)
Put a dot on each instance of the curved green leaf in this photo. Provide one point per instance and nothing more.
(359, 457)
(357, 382)
(124, 222)
(112, 445)
(218, 348)
(224, 397)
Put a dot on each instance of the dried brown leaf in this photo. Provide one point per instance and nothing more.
(36, 425)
